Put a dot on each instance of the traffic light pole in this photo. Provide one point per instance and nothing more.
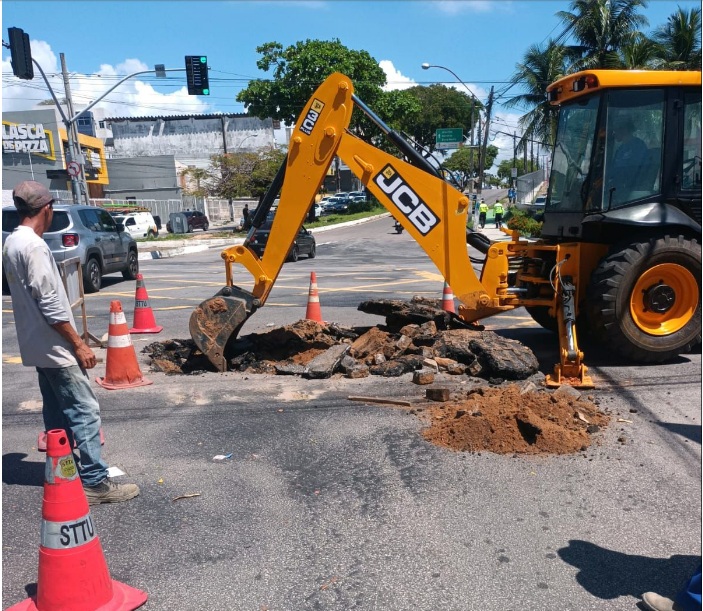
(79, 185)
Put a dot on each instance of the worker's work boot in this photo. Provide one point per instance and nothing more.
(108, 491)
(654, 602)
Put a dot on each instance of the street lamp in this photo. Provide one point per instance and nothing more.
(427, 66)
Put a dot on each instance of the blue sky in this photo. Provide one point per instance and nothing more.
(480, 40)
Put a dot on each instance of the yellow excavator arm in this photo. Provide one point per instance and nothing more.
(413, 191)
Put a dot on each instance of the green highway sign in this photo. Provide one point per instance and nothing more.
(449, 137)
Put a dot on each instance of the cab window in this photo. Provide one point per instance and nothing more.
(690, 170)
(634, 131)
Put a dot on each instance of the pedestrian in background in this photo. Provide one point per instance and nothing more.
(482, 211)
(48, 340)
(498, 214)
(245, 216)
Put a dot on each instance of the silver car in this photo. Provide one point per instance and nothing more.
(87, 232)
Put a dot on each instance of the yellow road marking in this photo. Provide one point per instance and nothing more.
(12, 360)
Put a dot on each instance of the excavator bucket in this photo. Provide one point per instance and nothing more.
(215, 323)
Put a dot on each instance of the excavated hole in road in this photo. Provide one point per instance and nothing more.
(505, 418)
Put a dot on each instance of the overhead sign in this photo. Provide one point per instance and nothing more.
(449, 137)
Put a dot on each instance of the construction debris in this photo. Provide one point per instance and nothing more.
(418, 337)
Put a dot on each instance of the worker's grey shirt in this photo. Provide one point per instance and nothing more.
(38, 300)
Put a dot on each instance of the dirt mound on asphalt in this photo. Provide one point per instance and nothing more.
(507, 420)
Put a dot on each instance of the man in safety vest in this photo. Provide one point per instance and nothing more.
(482, 211)
(498, 214)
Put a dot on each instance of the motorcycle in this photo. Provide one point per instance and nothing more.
(398, 227)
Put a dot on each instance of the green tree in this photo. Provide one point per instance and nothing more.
(244, 174)
(679, 40)
(264, 171)
(601, 28)
(201, 178)
(505, 168)
(299, 69)
(539, 67)
(440, 107)
(464, 163)
(639, 52)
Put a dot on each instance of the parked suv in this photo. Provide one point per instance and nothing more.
(138, 224)
(196, 220)
(87, 232)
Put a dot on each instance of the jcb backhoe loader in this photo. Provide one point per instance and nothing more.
(619, 255)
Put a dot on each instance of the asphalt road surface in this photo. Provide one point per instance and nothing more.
(332, 504)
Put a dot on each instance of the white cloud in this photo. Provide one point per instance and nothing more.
(135, 97)
(394, 79)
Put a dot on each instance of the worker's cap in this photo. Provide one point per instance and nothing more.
(30, 195)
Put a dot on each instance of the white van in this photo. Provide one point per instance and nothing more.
(138, 224)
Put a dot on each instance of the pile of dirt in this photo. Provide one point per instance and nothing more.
(512, 420)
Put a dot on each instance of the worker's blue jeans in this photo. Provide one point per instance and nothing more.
(690, 597)
(70, 404)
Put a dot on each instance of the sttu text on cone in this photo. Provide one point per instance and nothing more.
(313, 311)
(73, 574)
(121, 366)
(144, 321)
(448, 299)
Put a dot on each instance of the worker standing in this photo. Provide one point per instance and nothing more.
(482, 211)
(498, 214)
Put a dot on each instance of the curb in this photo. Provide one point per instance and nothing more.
(175, 248)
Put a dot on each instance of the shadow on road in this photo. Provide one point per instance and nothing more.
(608, 574)
(19, 472)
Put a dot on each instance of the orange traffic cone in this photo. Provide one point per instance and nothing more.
(313, 312)
(73, 574)
(121, 367)
(144, 321)
(448, 299)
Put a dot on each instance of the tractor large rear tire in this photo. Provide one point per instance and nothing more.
(644, 299)
(540, 314)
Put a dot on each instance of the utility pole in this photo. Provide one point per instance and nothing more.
(79, 185)
(471, 120)
(482, 150)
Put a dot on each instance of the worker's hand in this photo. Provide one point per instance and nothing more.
(85, 356)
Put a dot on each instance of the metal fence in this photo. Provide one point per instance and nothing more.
(529, 185)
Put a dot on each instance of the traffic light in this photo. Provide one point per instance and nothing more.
(21, 54)
(196, 75)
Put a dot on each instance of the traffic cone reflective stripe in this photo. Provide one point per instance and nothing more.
(144, 321)
(73, 574)
(313, 311)
(121, 366)
(448, 299)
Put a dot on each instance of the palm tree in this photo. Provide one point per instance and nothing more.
(680, 40)
(601, 28)
(640, 53)
(539, 68)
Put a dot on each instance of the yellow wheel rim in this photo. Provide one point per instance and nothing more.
(664, 299)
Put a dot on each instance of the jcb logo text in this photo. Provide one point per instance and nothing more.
(407, 201)
(312, 117)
